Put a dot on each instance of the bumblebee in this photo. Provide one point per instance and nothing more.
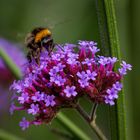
(38, 40)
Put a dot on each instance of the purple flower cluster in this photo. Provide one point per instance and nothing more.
(65, 76)
(112, 93)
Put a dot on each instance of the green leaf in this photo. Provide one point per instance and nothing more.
(110, 46)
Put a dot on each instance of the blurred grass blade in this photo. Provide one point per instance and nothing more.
(72, 128)
(7, 136)
(68, 124)
(10, 64)
(110, 46)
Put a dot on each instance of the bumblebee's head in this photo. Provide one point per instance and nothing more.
(42, 34)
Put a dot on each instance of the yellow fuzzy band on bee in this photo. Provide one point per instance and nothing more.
(42, 34)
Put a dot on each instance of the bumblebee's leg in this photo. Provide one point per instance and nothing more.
(29, 56)
(58, 46)
(50, 48)
(36, 55)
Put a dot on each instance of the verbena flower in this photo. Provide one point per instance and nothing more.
(24, 123)
(70, 91)
(65, 76)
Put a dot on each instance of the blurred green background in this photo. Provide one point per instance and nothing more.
(71, 21)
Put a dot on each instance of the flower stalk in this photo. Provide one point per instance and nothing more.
(93, 111)
(91, 120)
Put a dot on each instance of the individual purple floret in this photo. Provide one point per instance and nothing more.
(124, 68)
(109, 101)
(50, 100)
(103, 60)
(89, 62)
(117, 86)
(33, 109)
(91, 75)
(72, 58)
(58, 80)
(17, 86)
(54, 71)
(57, 56)
(83, 81)
(70, 91)
(112, 93)
(23, 98)
(38, 97)
(112, 60)
(24, 123)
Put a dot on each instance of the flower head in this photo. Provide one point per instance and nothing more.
(65, 76)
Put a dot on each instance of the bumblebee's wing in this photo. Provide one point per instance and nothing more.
(29, 39)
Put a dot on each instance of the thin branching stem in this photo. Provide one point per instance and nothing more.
(92, 121)
(83, 113)
(93, 111)
(97, 130)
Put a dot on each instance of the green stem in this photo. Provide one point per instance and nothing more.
(91, 121)
(71, 127)
(7, 136)
(62, 134)
(93, 111)
(107, 22)
(97, 130)
(10, 64)
(76, 131)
